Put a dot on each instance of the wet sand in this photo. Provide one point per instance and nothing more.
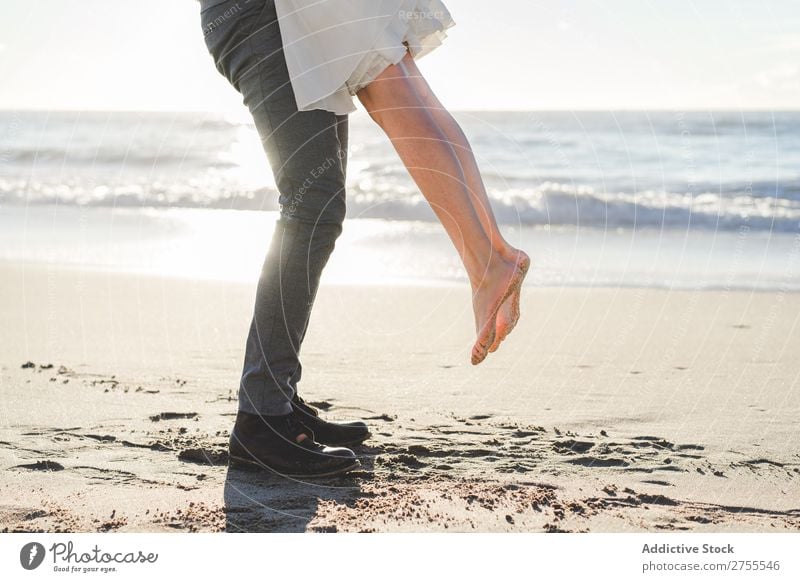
(605, 410)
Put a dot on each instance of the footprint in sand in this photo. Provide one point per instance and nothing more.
(41, 466)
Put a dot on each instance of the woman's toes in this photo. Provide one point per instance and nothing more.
(509, 313)
(504, 323)
(481, 347)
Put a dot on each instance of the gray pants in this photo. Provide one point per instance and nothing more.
(307, 151)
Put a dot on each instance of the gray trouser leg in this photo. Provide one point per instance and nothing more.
(307, 151)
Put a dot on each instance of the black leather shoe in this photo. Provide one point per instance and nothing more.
(336, 434)
(284, 445)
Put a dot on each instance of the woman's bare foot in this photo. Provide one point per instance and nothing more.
(499, 283)
(509, 313)
(439, 158)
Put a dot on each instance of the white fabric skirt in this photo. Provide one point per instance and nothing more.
(334, 48)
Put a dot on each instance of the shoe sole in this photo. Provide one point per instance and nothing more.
(240, 462)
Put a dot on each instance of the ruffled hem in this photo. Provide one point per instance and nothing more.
(418, 30)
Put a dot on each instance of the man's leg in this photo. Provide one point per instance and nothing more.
(307, 150)
(342, 130)
(308, 155)
(285, 295)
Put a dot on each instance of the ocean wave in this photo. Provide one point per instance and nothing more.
(109, 158)
(558, 204)
(550, 203)
(712, 170)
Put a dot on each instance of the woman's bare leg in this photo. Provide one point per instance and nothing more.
(393, 101)
(509, 313)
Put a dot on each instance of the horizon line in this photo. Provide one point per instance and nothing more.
(468, 110)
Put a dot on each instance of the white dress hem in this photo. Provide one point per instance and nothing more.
(333, 50)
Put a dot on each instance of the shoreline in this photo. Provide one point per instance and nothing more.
(213, 245)
(97, 270)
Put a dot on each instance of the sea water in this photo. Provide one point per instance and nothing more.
(654, 199)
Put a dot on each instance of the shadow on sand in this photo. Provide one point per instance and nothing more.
(262, 501)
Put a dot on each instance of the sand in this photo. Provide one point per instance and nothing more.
(606, 410)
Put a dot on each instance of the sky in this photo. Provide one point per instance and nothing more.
(505, 54)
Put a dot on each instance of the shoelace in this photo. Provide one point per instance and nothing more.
(305, 405)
